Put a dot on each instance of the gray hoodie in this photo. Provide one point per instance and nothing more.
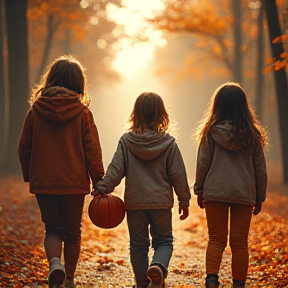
(152, 164)
(230, 173)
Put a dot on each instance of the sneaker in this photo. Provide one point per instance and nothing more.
(211, 281)
(155, 274)
(57, 273)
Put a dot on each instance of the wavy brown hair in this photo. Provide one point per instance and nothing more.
(229, 102)
(149, 113)
(65, 71)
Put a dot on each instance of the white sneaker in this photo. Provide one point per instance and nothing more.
(57, 273)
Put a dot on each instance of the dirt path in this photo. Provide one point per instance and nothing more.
(187, 266)
(112, 256)
(104, 260)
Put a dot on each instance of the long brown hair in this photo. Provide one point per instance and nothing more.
(149, 113)
(65, 71)
(229, 102)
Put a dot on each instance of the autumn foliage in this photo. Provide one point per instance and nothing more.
(64, 27)
(104, 260)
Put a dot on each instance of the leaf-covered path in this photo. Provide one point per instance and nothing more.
(104, 260)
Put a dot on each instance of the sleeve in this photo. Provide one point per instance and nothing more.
(260, 171)
(25, 146)
(203, 163)
(92, 149)
(115, 171)
(178, 176)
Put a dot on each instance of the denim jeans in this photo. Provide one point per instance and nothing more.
(160, 223)
(218, 214)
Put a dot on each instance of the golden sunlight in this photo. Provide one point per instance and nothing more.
(134, 55)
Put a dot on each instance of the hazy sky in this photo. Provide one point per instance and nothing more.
(137, 65)
(186, 99)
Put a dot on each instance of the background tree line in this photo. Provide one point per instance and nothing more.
(32, 34)
(231, 37)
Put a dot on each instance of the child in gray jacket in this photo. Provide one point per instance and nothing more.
(151, 161)
(231, 178)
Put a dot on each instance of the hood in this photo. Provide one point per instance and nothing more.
(223, 134)
(58, 104)
(148, 145)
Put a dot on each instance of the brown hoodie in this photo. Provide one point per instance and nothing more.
(59, 146)
(230, 173)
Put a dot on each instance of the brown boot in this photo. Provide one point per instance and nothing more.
(155, 274)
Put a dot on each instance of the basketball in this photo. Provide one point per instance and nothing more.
(106, 211)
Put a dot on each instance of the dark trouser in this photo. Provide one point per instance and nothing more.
(62, 216)
(160, 222)
(217, 220)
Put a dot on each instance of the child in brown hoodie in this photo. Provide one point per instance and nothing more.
(59, 151)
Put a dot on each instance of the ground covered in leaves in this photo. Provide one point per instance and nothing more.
(104, 260)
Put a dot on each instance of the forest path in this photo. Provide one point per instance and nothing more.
(104, 260)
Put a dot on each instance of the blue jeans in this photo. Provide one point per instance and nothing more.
(160, 221)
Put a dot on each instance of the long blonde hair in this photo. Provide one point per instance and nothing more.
(149, 113)
(65, 71)
(229, 102)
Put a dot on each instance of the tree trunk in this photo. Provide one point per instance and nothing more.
(67, 42)
(18, 80)
(51, 28)
(280, 81)
(259, 68)
(237, 11)
(4, 101)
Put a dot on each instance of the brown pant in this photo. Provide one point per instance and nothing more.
(217, 220)
(62, 215)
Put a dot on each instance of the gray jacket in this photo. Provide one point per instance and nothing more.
(152, 164)
(230, 173)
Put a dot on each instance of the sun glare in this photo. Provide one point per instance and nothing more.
(132, 57)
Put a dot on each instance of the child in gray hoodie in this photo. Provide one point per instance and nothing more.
(231, 178)
(151, 161)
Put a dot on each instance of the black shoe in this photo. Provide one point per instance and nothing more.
(211, 281)
(239, 284)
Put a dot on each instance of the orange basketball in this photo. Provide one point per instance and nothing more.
(106, 211)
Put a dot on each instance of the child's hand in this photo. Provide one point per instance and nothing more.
(257, 208)
(200, 201)
(96, 191)
(184, 211)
